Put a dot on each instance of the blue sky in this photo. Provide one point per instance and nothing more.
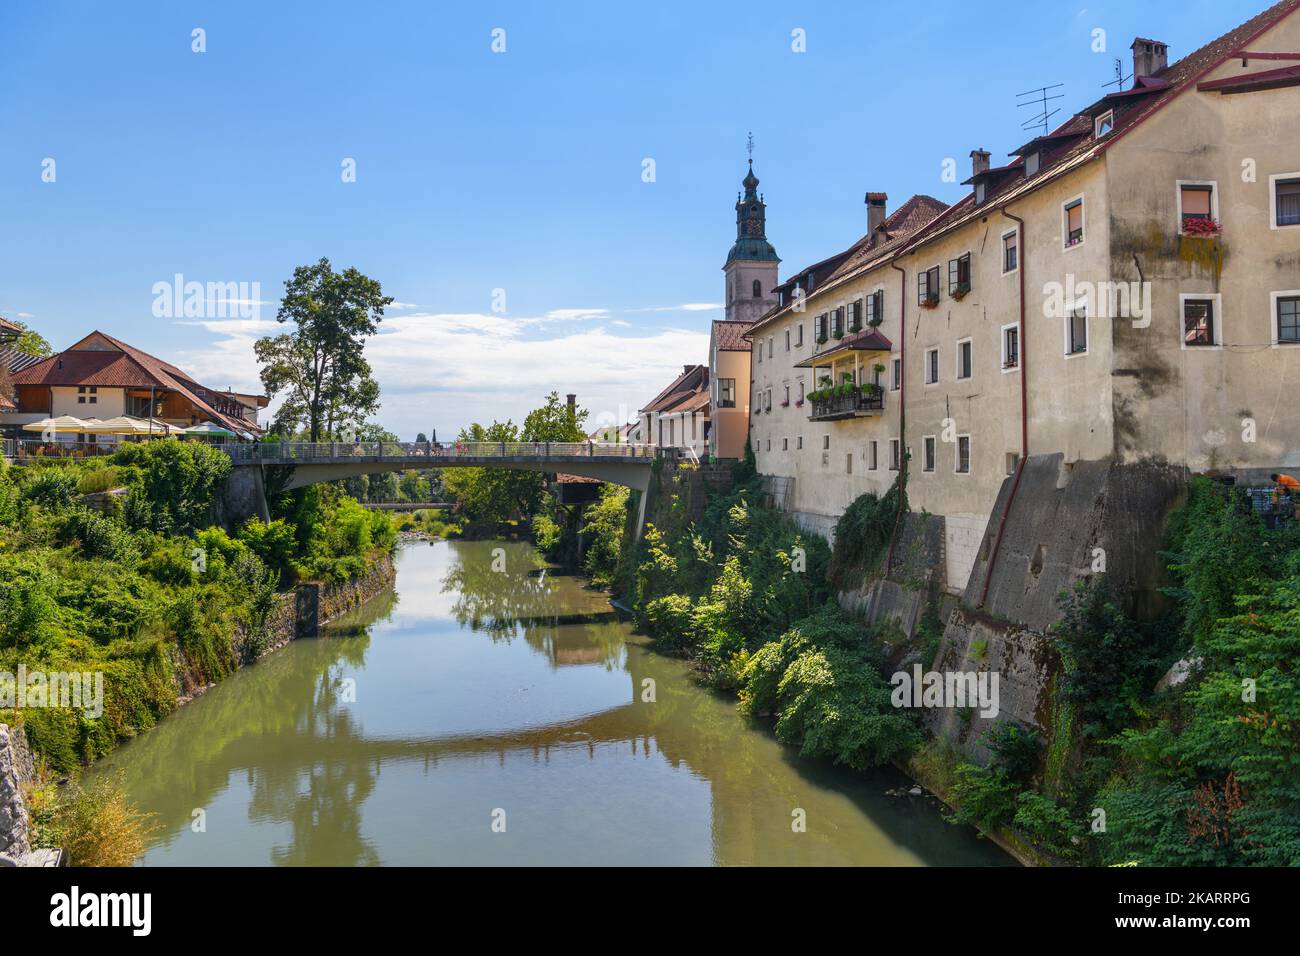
(478, 171)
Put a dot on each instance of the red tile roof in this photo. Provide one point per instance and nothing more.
(128, 367)
(730, 335)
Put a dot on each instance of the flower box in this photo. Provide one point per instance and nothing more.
(1201, 228)
(931, 301)
(961, 291)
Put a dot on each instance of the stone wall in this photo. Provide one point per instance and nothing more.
(15, 770)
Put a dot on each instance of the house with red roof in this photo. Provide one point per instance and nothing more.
(103, 377)
(1122, 293)
(678, 417)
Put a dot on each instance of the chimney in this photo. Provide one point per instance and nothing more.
(571, 400)
(979, 161)
(1149, 57)
(875, 210)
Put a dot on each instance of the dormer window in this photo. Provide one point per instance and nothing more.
(981, 193)
(1031, 164)
(1103, 124)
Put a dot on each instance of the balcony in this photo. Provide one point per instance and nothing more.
(856, 404)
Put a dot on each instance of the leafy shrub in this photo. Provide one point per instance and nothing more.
(98, 537)
(1016, 750)
(668, 621)
(97, 826)
(1048, 824)
(863, 531)
(178, 483)
(274, 542)
(53, 488)
(983, 796)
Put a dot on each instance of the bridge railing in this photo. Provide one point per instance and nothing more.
(309, 452)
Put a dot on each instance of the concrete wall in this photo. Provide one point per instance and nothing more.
(108, 403)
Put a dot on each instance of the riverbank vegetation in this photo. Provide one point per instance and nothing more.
(745, 593)
(1200, 773)
(145, 587)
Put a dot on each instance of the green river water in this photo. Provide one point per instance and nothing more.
(476, 716)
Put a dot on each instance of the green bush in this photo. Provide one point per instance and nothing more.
(983, 797)
(53, 488)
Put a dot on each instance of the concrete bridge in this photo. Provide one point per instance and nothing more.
(299, 464)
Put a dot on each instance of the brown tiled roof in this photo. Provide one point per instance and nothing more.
(127, 368)
(7, 326)
(693, 379)
(872, 248)
(1131, 110)
(868, 340)
(730, 335)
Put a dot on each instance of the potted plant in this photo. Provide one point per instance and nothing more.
(879, 368)
(930, 301)
(875, 321)
(961, 291)
(838, 334)
(786, 403)
(821, 338)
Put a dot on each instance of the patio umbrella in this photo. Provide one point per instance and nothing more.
(210, 428)
(64, 424)
(126, 425)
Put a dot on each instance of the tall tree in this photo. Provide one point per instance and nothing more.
(555, 421)
(320, 366)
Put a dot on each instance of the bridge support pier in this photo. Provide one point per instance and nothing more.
(243, 497)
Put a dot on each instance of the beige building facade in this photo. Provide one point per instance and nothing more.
(1124, 289)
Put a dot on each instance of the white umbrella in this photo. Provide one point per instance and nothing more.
(126, 425)
(64, 424)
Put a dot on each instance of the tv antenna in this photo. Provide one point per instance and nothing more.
(1120, 78)
(1041, 100)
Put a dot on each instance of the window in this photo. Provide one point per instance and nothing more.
(769, 346)
(931, 366)
(1010, 258)
(896, 379)
(837, 322)
(963, 455)
(1012, 463)
(822, 331)
(798, 335)
(927, 453)
(1076, 331)
(981, 192)
(1031, 164)
(787, 340)
(785, 444)
(876, 307)
(927, 286)
(1104, 123)
(726, 393)
(1009, 252)
(848, 463)
(767, 400)
(894, 458)
(1197, 203)
(758, 350)
(87, 394)
(769, 445)
(801, 393)
(758, 289)
(1285, 209)
(798, 442)
(1200, 321)
(855, 316)
(1010, 347)
(964, 362)
(826, 441)
(787, 395)
(1286, 307)
(873, 462)
(1073, 220)
(959, 275)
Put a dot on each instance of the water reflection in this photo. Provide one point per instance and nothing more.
(485, 689)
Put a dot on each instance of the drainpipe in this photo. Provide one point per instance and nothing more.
(1024, 410)
(902, 409)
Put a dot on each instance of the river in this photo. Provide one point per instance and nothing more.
(491, 711)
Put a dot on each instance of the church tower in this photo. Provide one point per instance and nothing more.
(751, 264)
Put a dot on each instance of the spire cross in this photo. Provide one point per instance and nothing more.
(749, 145)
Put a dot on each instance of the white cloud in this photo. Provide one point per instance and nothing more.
(687, 307)
(445, 370)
